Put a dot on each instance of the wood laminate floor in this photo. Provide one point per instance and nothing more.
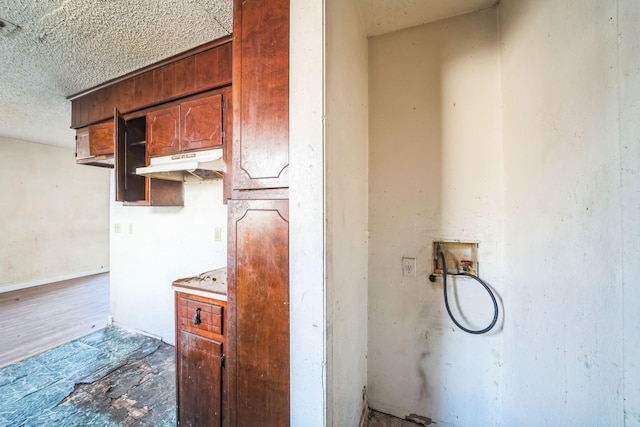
(37, 319)
(61, 366)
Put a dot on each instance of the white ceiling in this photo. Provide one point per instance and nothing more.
(385, 16)
(65, 46)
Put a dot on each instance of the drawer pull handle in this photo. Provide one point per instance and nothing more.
(196, 318)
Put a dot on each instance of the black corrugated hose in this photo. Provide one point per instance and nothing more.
(446, 299)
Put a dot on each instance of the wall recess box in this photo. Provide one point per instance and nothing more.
(459, 256)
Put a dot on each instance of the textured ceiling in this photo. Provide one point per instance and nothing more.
(62, 47)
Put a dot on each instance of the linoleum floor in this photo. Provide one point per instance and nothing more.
(110, 378)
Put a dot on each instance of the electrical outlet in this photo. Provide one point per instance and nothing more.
(409, 267)
(116, 228)
(459, 256)
(217, 234)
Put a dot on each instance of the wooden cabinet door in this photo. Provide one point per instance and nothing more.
(201, 123)
(101, 140)
(260, 156)
(258, 282)
(120, 132)
(199, 381)
(95, 140)
(83, 150)
(163, 132)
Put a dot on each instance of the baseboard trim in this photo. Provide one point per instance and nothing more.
(364, 417)
(49, 280)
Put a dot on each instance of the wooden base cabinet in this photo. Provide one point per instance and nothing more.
(200, 361)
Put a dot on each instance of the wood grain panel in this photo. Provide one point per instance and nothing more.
(101, 141)
(157, 85)
(168, 81)
(201, 123)
(259, 312)
(185, 80)
(261, 94)
(203, 68)
(105, 100)
(94, 105)
(82, 144)
(211, 316)
(163, 131)
(143, 87)
(124, 94)
(200, 381)
(213, 67)
(161, 192)
(120, 130)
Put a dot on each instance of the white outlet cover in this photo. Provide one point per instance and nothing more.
(409, 267)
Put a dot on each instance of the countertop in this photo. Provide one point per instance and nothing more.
(212, 283)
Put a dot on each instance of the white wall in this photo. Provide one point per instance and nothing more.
(346, 169)
(157, 245)
(434, 173)
(54, 215)
(306, 208)
(571, 135)
(629, 145)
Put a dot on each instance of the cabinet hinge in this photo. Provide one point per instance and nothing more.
(223, 134)
(222, 359)
(223, 104)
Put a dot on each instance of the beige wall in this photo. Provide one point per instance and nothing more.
(346, 171)
(54, 215)
(434, 173)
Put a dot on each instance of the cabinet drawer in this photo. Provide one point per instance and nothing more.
(210, 313)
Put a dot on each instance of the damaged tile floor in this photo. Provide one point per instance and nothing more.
(110, 378)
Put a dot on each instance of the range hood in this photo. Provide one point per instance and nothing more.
(186, 167)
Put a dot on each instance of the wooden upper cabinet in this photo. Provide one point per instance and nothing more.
(201, 122)
(195, 71)
(131, 153)
(163, 131)
(83, 150)
(260, 154)
(95, 145)
(195, 124)
(101, 139)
